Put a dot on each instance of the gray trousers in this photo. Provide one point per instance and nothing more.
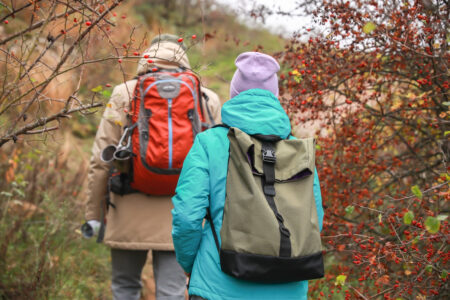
(127, 265)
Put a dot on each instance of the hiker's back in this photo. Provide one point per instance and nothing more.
(266, 117)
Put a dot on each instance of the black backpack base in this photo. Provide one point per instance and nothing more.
(270, 269)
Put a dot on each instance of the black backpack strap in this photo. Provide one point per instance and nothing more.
(209, 218)
(221, 125)
(268, 184)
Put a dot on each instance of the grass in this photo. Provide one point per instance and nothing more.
(42, 250)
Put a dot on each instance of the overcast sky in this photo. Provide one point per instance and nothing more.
(276, 23)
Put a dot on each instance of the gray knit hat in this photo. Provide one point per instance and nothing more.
(167, 38)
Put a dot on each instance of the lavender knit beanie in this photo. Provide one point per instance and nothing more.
(255, 70)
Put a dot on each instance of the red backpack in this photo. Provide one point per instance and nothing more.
(166, 115)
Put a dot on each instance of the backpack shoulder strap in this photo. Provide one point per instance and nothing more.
(221, 125)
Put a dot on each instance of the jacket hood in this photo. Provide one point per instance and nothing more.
(165, 54)
(256, 111)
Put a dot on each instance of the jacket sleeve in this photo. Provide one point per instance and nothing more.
(190, 203)
(109, 132)
(318, 199)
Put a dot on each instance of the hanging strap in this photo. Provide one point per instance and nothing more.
(209, 218)
(268, 183)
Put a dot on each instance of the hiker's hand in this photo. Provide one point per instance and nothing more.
(90, 228)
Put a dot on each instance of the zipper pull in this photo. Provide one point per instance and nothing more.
(170, 107)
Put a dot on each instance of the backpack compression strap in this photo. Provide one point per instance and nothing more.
(268, 181)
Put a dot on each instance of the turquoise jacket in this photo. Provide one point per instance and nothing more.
(202, 184)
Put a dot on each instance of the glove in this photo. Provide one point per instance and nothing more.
(90, 228)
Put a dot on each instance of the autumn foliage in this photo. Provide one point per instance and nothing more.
(374, 86)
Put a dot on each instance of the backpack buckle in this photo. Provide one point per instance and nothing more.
(268, 155)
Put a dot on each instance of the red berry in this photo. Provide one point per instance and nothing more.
(180, 40)
(114, 14)
(75, 20)
(136, 53)
(348, 101)
(6, 21)
(146, 56)
(193, 36)
(124, 16)
(63, 31)
(88, 23)
(155, 69)
(107, 85)
(124, 46)
(150, 61)
(119, 60)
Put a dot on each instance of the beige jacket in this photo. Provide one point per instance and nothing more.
(138, 221)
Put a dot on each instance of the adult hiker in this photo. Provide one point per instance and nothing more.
(145, 133)
(259, 191)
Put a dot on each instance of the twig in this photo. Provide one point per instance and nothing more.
(42, 130)
(13, 12)
(34, 26)
(42, 121)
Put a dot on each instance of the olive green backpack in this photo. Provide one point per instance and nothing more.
(270, 229)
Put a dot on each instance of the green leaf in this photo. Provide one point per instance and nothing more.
(408, 217)
(369, 27)
(444, 274)
(6, 194)
(446, 103)
(19, 192)
(447, 132)
(416, 240)
(429, 268)
(380, 218)
(349, 209)
(416, 191)
(432, 224)
(340, 280)
(106, 93)
(442, 217)
(97, 89)
(318, 147)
